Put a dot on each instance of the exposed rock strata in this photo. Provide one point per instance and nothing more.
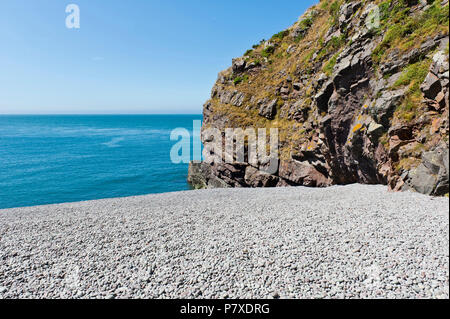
(345, 100)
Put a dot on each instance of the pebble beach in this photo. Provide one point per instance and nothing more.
(355, 241)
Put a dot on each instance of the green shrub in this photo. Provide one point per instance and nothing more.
(384, 10)
(299, 38)
(329, 66)
(405, 30)
(334, 12)
(324, 5)
(239, 79)
(280, 35)
(257, 62)
(248, 52)
(436, 14)
(268, 51)
(306, 23)
(336, 42)
(414, 75)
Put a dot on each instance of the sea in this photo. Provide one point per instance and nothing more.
(49, 159)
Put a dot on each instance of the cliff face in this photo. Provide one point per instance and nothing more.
(359, 93)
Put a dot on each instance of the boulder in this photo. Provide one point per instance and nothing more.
(238, 65)
(238, 99)
(302, 173)
(198, 174)
(431, 86)
(346, 11)
(385, 106)
(296, 111)
(284, 90)
(431, 177)
(268, 109)
(440, 63)
(216, 182)
(225, 97)
(375, 130)
(255, 178)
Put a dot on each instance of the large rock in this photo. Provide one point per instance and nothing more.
(431, 177)
(303, 173)
(203, 175)
(296, 111)
(440, 63)
(268, 109)
(395, 62)
(431, 86)
(238, 65)
(375, 130)
(238, 99)
(385, 106)
(346, 12)
(256, 178)
(225, 97)
(198, 174)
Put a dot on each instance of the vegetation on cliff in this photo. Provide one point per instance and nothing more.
(358, 90)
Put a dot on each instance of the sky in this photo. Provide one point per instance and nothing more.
(127, 57)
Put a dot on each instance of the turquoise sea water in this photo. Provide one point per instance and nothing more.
(56, 159)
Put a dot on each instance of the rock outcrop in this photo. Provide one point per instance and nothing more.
(359, 92)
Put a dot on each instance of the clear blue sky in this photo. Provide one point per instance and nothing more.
(136, 56)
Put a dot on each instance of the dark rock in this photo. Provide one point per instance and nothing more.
(198, 174)
(346, 12)
(255, 178)
(226, 96)
(303, 173)
(238, 99)
(216, 182)
(404, 132)
(250, 66)
(431, 86)
(268, 109)
(297, 111)
(323, 96)
(238, 65)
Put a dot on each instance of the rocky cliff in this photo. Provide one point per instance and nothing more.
(359, 91)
